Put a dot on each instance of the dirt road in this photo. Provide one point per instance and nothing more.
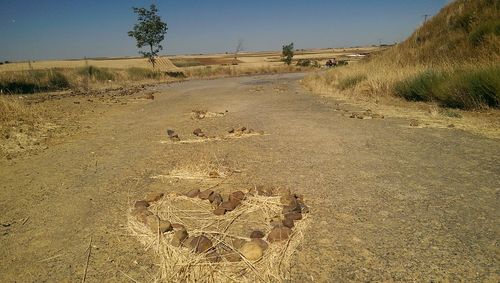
(388, 201)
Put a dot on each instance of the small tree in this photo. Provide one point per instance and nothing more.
(149, 31)
(287, 54)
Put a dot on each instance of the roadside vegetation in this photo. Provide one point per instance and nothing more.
(453, 60)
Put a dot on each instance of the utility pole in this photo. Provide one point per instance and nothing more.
(426, 16)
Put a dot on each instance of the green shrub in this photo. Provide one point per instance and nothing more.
(465, 88)
(419, 87)
(463, 22)
(351, 81)
(479, 34)
(137, 74)
(95, 73)
(471, 89)
(57, 81)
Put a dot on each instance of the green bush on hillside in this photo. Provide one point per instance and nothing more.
(465, 89)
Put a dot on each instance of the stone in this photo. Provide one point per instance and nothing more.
(193, 193)
(175, 138)
(230, 130)
(152, 197)
(229, 205)
(288, 200)
(228, 254)
(204, 195)
(278, 234)
(213, 256)
(179, 237)
(198, 132)
(215, 199)
(287, 222)
(293, 208)
(141, 213)
(237, 243)
(293, 216)
(158, 225)
(213, 174)
(284, 192)
(242, 129)
(414, 123)
(257, 234)
(200, 244)
(220, 211)
(178, 226)
(171, 133)
(263, 244)
(252, 251)
(237, 196)
(141, 204)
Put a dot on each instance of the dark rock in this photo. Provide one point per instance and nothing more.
(141, 204)
(257, 234)
(215, 199)
(213, 174)
(288, 223)
(178, 237)
(279, 234)
(263, 244)
(178, 226)
(200, 244)
(213, 256)
(198, 132)
(204, 195)
(293, 216)
(230, 130)
(152, 197)
(141, 213)
(288, 200)
(193, 193)
(228, 254)
(414, 123)
(242, 129)
(220, 211)
(237, 196)
(228, 205)
(171, 133)
(294, 208)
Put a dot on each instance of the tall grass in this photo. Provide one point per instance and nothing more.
(33, 81)
(138, 74)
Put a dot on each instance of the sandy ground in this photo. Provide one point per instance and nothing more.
(389, 202)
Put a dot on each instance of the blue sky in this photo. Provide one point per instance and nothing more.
(50, 29)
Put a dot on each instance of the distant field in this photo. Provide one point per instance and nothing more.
(249, 59)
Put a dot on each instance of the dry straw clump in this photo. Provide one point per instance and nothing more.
(225, 259)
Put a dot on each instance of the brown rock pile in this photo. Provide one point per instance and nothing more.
(173, 135)
(251, 248)
(368, 114)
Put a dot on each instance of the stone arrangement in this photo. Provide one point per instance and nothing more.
(198, 132)
(252, 249)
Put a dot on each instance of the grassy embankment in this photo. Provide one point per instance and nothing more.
(452, 60)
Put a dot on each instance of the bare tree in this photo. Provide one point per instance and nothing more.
(239, 48)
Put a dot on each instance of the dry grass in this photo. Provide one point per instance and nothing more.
(12, 110)
(201, 170)
(177, 264)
